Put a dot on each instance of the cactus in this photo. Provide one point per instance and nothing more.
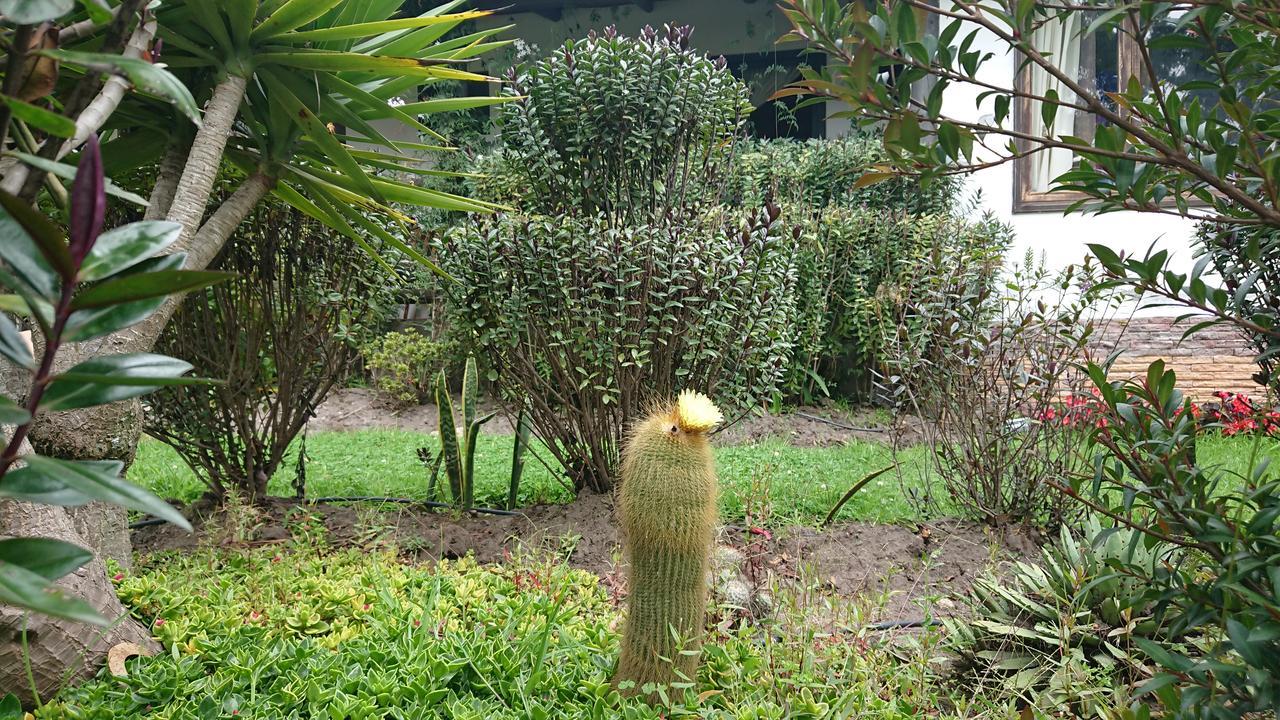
(667, 510)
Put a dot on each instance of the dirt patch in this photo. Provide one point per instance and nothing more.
(360, 408)
(894, 567)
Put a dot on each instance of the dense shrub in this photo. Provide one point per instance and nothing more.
(404, 364)
(854, 240)
(851, 276)
(817, 174)
(627, 127)
(586, 323)
(625, 280)
(279, 336)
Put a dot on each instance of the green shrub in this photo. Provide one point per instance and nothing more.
(587, 322)
(275, 633)
(404, 364)
(1063, 633)
(280, 336)
(627, 127)
(625, 279)
(817, 174)
(852, 273)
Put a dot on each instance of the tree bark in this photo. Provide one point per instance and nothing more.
(175, 158)
(58, 650)
(192, 195)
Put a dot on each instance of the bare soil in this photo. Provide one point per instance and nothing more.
(360, 408)
(894, 567)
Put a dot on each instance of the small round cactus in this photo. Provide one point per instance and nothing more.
(667, 510)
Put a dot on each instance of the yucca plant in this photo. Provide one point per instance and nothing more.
(1062, 631)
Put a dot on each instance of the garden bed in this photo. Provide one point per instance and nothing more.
(894, 567)
(362, 408)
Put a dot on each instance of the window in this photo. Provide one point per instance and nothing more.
(1100, 60)
(765, 73)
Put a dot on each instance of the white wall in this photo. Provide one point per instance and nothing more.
(1060, 238)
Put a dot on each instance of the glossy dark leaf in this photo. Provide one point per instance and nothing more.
(33, 12)
(11, 413)
(13, 346)
(97, 322)
(22, 588)
(90, 480)
(88, 199)
(48, 558)
(143, 286)
(126, 246)
(115, 377)
(23, 229)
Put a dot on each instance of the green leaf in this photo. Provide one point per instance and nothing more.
(34, 115)
(12, 345)
(22, 588)
(34, 12)
(10, 708)
(68, 172)
(88, 480)
(326, 61)
(127, 246)
(11, 413)
(50, 559)
(145, 76)
(449, 438)
(112, 378)
(335, 151)
(142, 286)
(96, 11)
(292, 15)
(43, 234)
(470, 392)
(427, 107)
(370, 29)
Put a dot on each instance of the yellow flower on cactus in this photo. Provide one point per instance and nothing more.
(695, 413)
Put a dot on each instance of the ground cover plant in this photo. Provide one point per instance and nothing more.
(274, 632)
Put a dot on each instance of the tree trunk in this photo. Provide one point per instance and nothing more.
(60, 651)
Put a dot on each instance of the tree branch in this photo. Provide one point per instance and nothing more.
(192, 194)
(175, 158)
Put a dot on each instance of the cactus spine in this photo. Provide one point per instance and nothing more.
(667, 509)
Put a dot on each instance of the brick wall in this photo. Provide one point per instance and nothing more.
(1216, 358)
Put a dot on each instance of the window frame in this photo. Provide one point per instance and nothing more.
(1025, 200)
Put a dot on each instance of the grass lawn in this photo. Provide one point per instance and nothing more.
(800, 484)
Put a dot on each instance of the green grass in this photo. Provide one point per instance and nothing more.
(303, 631)
(801, 483)
(798, 485)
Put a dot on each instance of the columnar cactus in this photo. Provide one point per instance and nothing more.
(667, 510)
